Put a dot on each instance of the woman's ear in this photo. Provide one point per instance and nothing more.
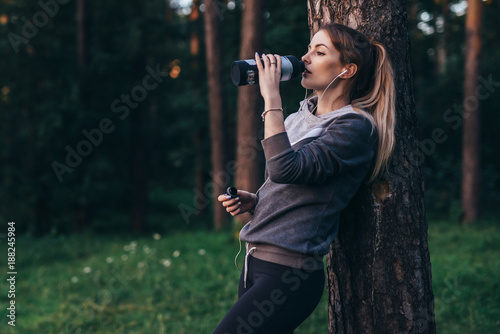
(350, 69)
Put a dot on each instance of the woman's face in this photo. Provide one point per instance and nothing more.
(322, 62)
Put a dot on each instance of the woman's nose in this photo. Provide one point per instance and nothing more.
(305, 58)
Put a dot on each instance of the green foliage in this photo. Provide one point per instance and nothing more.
(50, 101)
(439, 104)
(287, 33)
(47, 101)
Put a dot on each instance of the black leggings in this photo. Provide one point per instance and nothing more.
(276, 300)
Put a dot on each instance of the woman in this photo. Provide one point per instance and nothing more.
(316, 160)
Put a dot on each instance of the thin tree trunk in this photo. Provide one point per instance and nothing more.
(198, 133)
(201, 175)
(80, 39)
(442, 48)
(379, 273)
(471, 129)
(249, 170)
(139, 170)
(139, 144)
(31, 174)
(81, 209)
(216, 105)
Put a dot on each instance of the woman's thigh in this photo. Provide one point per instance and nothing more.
(277, 299)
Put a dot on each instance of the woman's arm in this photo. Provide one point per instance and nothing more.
(269, 80)
(345, 145)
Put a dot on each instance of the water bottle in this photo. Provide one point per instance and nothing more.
(245, 72)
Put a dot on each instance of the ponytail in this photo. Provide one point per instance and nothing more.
(380, 103)
(371, 90)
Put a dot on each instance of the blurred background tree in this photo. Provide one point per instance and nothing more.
(249, 161)
(129, 71)
(439, 91)
(218, 128)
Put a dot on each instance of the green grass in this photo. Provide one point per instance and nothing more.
(466, 276)
(186, 282)
(181, 283)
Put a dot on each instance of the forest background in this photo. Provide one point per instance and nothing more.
(106, 160)
(105, 121)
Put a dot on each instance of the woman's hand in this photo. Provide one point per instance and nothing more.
(269, 78)
(269, 82)
(244, 202)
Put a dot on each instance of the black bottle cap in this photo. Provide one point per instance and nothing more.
(232, 191)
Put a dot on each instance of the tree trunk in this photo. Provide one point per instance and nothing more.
(139, 195)
(471, 127)
(139, 141)
(379, 272)
(442, 39)
(80, 38)
(216, 105)
(198, 133)
(200, 174)
(249, 161)
(81, 215)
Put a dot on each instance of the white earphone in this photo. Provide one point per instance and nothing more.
(345, 70)
(341, 73)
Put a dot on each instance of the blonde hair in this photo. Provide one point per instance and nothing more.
(371, 90)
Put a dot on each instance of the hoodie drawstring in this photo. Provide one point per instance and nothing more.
(247, 253)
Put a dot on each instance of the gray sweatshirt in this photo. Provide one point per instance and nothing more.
(312, 172)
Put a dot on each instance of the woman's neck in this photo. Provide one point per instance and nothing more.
(330, 101)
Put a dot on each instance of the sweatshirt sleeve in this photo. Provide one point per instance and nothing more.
(348, 143)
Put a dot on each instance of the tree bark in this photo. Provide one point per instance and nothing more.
(216, 105)
(379, 272)
(471, 128)
(249, 161)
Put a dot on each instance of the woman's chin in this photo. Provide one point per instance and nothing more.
(305, 84)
